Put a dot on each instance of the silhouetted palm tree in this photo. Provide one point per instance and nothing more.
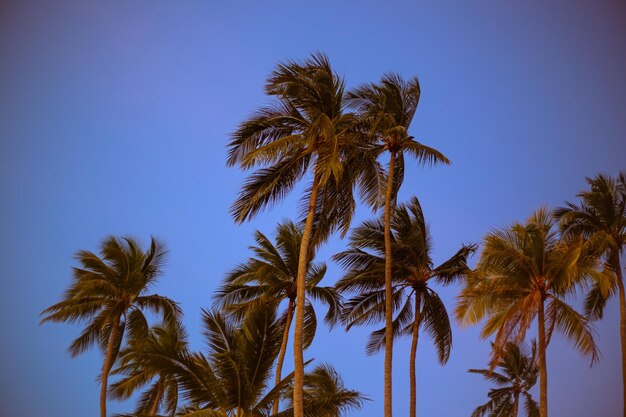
(416, 302)
(109, 292)
(269, 278)
(518, 374)
(524, 272)
(304, 129)
(386, 110)
(601, 216)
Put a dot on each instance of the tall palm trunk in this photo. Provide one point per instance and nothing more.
(388, 290)
(157, 399)
(283, 350)
(298, 356)
(514, 412)
(106, 367)
(543, 371)
(413, 379)
(622, 320)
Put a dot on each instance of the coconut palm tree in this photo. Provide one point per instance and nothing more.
(304, 130)
(140, 363)
(601, 217)
(417, 303)
(269, 278)
(109, 293)
(231, 379)
(518, 374)
(386, 110)
(524, 272)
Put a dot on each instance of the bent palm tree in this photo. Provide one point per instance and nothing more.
(304, 129)
(109, 293)
(386, 110)
(269, 278)
(601, 216)
(417, 304)
(523, 273)
(141, 365)
(517, 375)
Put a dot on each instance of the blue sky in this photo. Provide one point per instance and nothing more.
(114, 118)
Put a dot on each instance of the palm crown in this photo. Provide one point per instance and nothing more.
(601, 216)
(140, 363)
(517, 375)
(385, 112)
(304, 127)
(231, 378)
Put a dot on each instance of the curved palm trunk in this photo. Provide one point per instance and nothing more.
(413, 379)
(543, 371)
(106, 367)
(298, 356)
(281, 355)
(622, 321)
(388, 289)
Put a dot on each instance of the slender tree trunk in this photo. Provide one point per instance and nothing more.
(298, 356)
(155, 404)
(388, 289)
(543, 371)
(622, 322)
(413, 379)
(106, 367)
(515, 405)
(281, 355)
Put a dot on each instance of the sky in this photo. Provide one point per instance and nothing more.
(114, 119)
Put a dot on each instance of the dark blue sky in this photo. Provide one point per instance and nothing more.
(114, 118)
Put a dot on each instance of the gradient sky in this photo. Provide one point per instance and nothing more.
(114, 118)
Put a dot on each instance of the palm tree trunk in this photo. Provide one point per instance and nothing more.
(413, 379)
(388, 289)
(298, 356)
(514, 412)
(155, 404)
(543, 371)
(106, 367)
(622, 321)
(283, 350)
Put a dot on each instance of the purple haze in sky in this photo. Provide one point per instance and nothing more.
(114, 118)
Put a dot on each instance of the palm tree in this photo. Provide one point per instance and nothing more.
(269, 278)
(417, 304)
(517, 376)
(304, 129)
(601, 216)
(109, 292)
(231, 379)
(525, 271)
(386, 110)
(140, 363)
